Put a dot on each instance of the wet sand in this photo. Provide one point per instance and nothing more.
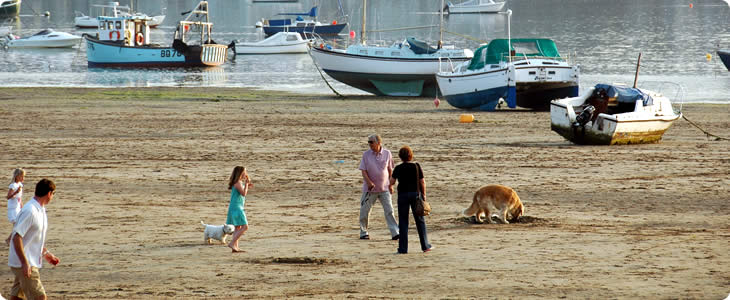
(138, 169)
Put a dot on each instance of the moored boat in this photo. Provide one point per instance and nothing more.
(9, 8)
(725, 57)
(613, 114)
(301, 25)
(405, 68)
(541, 73)
(475, 6)
(44, 39)
(474, 85)
(281, 42)
(113, 9)
(124, 41)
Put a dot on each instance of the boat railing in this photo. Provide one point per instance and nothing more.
(450, 64)
(515, 58)
(667, 88)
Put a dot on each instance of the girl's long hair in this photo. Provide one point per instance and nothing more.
(235, 176)
(17, 172)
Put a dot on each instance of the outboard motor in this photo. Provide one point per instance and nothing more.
(584, 116)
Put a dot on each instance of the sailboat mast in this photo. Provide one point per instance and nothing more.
(362, 30)
(441, 25)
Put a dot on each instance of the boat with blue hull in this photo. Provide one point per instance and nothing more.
(479, 89)
(124, 42)
(725, 57)
(301, 25)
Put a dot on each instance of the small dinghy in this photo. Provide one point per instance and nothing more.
(281, 42)
(613, 114)
(45, 39)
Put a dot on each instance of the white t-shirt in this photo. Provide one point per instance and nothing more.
(14, 202)
(31, 224)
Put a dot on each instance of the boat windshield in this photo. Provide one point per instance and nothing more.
(44, 32)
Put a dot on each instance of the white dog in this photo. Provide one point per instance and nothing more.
(219, 232)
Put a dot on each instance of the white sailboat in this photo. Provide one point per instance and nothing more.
(405, 68)
(475, 6)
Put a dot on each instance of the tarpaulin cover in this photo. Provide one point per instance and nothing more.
(498, 50)
(420, 47)
(625, 95)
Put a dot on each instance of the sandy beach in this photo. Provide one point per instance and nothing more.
(138, 169)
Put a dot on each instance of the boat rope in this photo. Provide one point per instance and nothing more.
(467, 37)
(320, 73)
(401, 28)
(717, 138)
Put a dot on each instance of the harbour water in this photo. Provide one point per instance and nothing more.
(604, 37)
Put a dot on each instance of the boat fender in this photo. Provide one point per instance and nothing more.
(111, 33)
(140, 38)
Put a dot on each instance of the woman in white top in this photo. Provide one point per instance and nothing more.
(15, 197)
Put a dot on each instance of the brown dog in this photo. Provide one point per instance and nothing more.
(496, 199)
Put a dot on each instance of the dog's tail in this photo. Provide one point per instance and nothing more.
(201, 223)
(473, 209)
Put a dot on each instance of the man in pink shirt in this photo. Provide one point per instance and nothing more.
(376, 166)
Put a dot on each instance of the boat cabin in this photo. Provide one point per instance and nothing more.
(131, 31)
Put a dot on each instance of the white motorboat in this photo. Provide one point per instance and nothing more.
(613, 114)
(280, 42)
(113, 9)
(475, 6)
(44, 39)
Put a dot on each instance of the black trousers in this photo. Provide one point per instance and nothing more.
(407, 201)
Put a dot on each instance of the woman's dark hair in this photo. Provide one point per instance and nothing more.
(405, 153)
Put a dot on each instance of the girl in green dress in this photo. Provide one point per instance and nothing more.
(239, 183)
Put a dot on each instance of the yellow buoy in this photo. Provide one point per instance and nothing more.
(466, 118)
(708, 56)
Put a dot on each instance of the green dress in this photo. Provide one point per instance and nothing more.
(236, 215)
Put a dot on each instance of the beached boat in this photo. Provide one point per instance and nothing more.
(477, 85)
(281, 42)
(44, 39)
(613, 114)
(542, 74)
(724, 57)
(301, 25)
(405, 68)
(113, 9)
(124, 41)
(475, 6)
(9, 8)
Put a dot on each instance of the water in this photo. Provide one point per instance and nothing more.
(604, 37)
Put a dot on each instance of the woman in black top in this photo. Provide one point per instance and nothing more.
(410, 181)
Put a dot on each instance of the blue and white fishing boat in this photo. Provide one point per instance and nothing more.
(124, 41)
(301, 25)
(405, 68)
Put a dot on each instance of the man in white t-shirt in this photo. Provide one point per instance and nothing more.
(27, 245)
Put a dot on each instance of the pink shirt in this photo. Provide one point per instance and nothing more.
(378, 165)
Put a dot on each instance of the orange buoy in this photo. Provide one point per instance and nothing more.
(334, 22)
(466, 118)
(690, 5)
(436, 102)
(352, 34)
